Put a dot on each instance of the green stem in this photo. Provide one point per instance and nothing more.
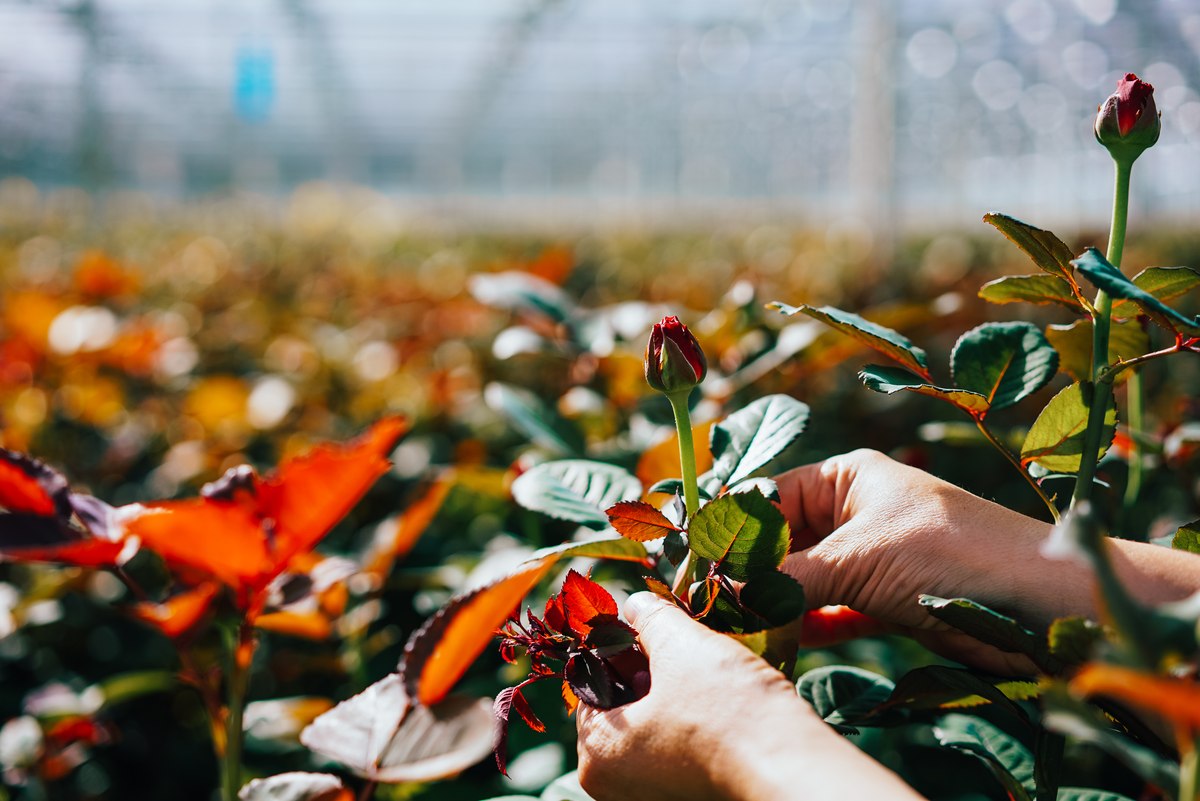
(687, 450)
(1000, 446)
(691, 492)
(241, 651)
(368, 790)
(1101, 322)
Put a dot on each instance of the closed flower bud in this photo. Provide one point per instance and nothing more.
(1127, 122)
(674, 360)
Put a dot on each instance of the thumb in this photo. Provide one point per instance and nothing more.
(662, 626)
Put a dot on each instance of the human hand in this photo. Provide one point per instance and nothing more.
(876, 534)
(718, 722)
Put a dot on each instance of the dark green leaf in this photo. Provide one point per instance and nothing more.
(522, 292)
(889, 380)
(1097, 269)
(752, 436)
(1041, 289)
(989, 626)
(1187, 538)
(942, 687)
(1126, 339)
(1164, 283)
(1048, 252)
(575, 489)
(296, 786)
(544, 426)
(744, 534)
(1055, 441)
(674, 486)
(724, 614)
(775, 597)
(890, 343)
(1004, 362)
(841, 693)
(1010, 761)
(1072, 639)
(1089, 794)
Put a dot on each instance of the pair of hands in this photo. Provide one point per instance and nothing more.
(875, 534)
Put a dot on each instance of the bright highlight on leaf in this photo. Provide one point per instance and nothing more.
(890, 380)
(1055, 441)
(639, 521)
(890, 343)
(1048, 252)
(1003, 362)
(744, 534)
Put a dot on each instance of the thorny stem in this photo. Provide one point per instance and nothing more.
(1000, 446)
(1109, 375)
(1101, 321)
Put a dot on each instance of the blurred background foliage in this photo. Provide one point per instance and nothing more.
(227, 233)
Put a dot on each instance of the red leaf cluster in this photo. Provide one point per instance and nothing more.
(580, 641)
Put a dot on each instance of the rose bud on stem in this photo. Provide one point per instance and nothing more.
(1128, 121)
(675, 365)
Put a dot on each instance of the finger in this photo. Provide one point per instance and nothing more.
(806, 503)
(830, 625)
(663, 628)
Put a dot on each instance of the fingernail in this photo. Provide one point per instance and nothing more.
(638, 605)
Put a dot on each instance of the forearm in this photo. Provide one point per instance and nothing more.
(810, 761)
(1018, 578)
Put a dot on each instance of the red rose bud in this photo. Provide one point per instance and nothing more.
(1128, 122)
(674, 360)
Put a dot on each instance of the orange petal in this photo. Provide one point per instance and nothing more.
(308, 626)
(308, 495)
(179, 614)
(407, 528)
(220, 539)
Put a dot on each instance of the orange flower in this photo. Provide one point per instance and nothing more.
(247, 529)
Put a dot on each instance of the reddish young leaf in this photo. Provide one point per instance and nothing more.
(555, 615)
(663, 591)
(28, 485)
(584, 600)
(569, 697)
(639, 521)
(509, 699)
(590, 679)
